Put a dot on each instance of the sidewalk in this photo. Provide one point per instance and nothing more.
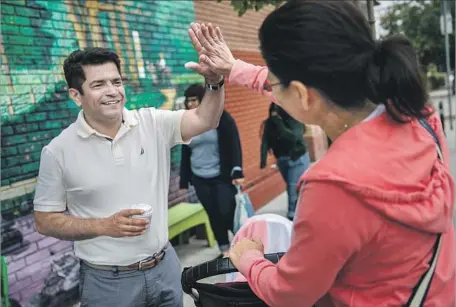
(436, 97)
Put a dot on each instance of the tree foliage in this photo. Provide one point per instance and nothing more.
(242, 6)
(417, 19)
(420, 21)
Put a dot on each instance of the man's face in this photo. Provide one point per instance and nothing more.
(104, 94)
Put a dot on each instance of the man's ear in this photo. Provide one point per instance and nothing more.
(303, 93)
(75, 96)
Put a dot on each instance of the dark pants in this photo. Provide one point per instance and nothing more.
(217, 198)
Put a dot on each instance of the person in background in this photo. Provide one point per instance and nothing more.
(212, 163)
(376, 206)
(284, 136)
(442, 116)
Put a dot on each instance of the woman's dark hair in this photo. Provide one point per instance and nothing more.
(328, 45)
(72, 67)
(194, 90)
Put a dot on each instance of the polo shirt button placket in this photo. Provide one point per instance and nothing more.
(117, 153)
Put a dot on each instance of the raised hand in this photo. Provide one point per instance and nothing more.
(214, 54)
(121, 224)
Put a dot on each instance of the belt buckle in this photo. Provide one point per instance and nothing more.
(155, 257)
(141, 262)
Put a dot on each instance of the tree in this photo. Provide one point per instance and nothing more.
(420, 21)
(242, 6)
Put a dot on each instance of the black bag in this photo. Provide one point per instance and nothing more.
(222, 294)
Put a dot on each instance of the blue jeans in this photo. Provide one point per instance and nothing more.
(291, 172)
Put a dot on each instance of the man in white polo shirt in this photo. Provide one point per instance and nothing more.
(108, 160)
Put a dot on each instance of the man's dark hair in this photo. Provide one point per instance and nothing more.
(328, 46)
(72, 67)
(194, 90)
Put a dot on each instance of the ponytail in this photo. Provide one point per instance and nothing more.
(394, 79)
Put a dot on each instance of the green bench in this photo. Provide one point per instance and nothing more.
(184, 216)
(4, 289)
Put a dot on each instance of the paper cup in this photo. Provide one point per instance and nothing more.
(147, 215)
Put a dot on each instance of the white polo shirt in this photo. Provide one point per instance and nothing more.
(93, 177)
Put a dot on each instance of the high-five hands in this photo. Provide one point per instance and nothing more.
(215, 58)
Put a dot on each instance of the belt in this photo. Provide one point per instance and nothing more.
(145, 264)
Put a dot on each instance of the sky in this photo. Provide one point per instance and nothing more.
(379, 10)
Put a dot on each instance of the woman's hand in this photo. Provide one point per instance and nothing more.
(243, 246)
(206, 42)
(212, 48)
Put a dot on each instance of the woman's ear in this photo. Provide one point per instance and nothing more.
(302, 93)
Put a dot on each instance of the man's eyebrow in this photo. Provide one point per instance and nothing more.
(103, 80)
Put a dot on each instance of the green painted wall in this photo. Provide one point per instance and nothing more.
(151, 39)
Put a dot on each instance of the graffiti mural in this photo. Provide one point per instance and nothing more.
(36, 36)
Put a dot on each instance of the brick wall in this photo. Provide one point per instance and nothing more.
(249, 109)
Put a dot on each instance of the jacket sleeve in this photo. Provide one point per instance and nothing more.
(264, 146)
(250, 76)
(185, 169)
(318, 250)
(232, 133)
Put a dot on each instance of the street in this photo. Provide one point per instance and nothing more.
(441, 96)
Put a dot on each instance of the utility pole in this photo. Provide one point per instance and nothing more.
(371, 16)
(367, 7)
(445, 13)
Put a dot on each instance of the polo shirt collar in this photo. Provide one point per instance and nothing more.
(85, 130)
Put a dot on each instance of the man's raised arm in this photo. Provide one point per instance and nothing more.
(207, 115)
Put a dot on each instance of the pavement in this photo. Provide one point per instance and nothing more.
(442, 96)
(197, 252)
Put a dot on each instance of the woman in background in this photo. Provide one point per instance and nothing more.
(284, 136)
(212, 163)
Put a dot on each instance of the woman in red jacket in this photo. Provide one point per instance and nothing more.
(372, 210)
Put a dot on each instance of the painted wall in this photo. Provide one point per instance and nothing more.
(36, 36)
